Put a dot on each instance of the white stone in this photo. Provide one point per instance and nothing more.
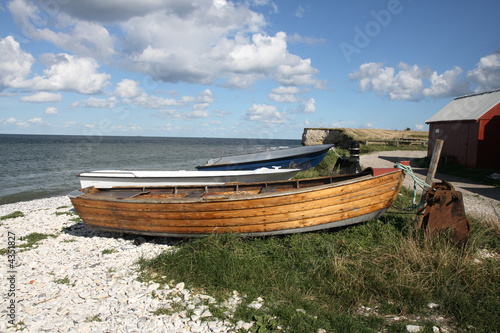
(247, 326)
(255, 305)
(432, 305)
(153, 286)
(206, 313)
(413, 328)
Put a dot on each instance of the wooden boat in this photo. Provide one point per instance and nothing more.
(251, 209)
(114, 178)
(300, 157)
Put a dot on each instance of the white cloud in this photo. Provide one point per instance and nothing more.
(487, 73)
(265, 114)
(205, 97)
(299, 12)
(65, 72)
(93, 102)
(285, 90)
(419, 127)
(69, 73)
(166, 113)
(200, 106)
(296, 38)
(309, 106)
(282, 98)
(152, 102)
(409, 82)
(50, 110)
(199, 41)
(15, 64)
(127, 88)
(36, 121)
(127, 128)
(196, 114)
(298, 72)
(13, 122)
(111, 11)
(42, 97)
(84, 38)
(447, 84)
(131, 93)
(285, 94)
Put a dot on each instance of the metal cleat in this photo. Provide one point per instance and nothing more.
(445, 211)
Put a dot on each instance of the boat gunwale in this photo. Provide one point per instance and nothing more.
(189, 173)
(365, 175)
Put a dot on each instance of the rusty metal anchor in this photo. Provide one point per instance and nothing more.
(445, 211)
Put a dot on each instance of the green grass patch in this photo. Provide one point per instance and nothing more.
(366, 149)
(12, 215)
(62, 281)
(108, 251)
(93, 318)
(66, 213)
(324, 168)
(32, 240)
(330, 275)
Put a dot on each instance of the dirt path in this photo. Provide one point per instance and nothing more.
(480, 200)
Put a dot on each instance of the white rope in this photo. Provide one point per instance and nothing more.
(333, 149)
(409, 171)
(416, 181)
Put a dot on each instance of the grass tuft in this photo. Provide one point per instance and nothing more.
(12, 215)
(33, 238)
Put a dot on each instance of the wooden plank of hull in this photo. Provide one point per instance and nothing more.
(197, 232)
(270, 214)
(288, 212)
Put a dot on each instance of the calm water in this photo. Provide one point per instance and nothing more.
(38, 166)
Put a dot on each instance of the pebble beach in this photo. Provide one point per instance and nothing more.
(82, 280)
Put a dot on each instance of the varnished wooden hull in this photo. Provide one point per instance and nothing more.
(249, 209)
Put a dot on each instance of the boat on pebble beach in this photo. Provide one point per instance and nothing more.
(120, 178)
(249, 209)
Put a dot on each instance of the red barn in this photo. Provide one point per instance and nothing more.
(470, 128)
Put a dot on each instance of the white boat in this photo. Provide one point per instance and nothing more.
(120, 178)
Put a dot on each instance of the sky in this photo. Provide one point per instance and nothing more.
(239, 69)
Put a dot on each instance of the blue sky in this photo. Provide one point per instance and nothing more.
(251, 69)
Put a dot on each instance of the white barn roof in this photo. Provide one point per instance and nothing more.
(469, 107)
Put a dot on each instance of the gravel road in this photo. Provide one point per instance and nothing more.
(482, 201)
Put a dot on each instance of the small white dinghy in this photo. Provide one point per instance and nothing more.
(120, 178)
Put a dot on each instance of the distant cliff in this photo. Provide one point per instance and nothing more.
(318, 136)
(342, 137)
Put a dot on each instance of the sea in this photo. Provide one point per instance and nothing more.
(40, 166)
